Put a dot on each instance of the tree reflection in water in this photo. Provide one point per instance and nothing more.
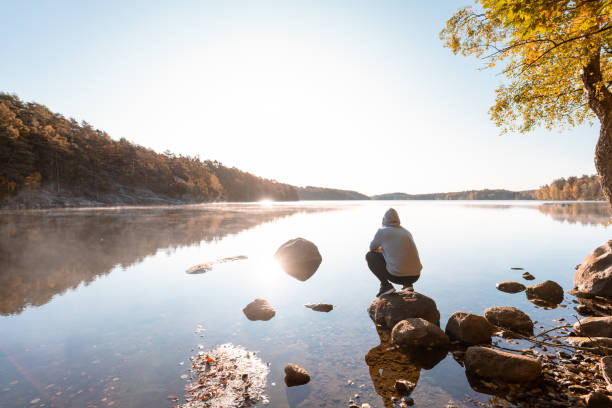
(46, 253)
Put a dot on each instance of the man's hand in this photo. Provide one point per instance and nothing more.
(379, 250)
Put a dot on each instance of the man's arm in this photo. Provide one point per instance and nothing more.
(375, 244)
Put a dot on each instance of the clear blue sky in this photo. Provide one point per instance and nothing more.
(348, 94)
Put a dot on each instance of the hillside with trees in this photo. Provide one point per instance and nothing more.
(485, 194)
(321, 193)
(47, 160)
(574, 188)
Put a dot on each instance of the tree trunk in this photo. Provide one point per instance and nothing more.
(603, 157)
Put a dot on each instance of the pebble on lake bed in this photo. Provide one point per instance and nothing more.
(296, 375)
(510, 287)
(259, 309)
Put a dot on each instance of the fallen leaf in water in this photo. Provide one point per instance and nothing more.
(184, 376)
(14, 382)
(35, 400)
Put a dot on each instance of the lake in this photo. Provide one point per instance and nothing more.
(96, 307)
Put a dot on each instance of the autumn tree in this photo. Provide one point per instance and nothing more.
(557, 57)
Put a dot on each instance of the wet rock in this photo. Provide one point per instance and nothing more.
(594, 275)
(598, 399)
(510, 318)
(404, 387)
(469, 328)
(259, 309)
(320, 307)
(295, 375)
(388, 310)
(528, 276)
(602, 345)
(547, 293)
(418, 333)
(501, 365)
(605, 365)
(594, 327)
(299, 258)
(510, 287)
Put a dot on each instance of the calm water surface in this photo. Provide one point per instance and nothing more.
(96, 308)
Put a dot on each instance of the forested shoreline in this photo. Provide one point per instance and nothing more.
(48, 159)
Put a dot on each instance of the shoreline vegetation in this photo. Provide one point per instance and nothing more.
(49, 161)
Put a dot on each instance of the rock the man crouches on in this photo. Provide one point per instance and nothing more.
(393, 256)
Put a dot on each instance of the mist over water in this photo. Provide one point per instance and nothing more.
(97, 308)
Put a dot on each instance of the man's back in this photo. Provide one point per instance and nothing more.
(399, 250)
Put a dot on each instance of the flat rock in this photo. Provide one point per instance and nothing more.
(605, 364)
(469, 328)
(547, 293)
(510, 318)
(299, 258)
(510, 287)
(296, 375)
(418, 333)
(594, 275)
(594, 327)
(259, 309)
(501, 365)
(388, 310)
(528, 276)
(602, 345)
(320, 307)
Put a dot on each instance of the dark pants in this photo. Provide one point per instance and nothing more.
(378, 266)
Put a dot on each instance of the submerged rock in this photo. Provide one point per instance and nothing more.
(259, 309)
(594, 275)
(469, 328)
(418, 333)
(528, 276)
(594, 327)
(501, 365)
(598, 399)
(226, 377)
(390, 309)
(510, 318)
(299, 258)
(547, 294)
(208, 266)
(320, 307)
(510, 287)
(296, 375)
(600, 345)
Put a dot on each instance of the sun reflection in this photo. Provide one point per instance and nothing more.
(266, 202)
(267, 272)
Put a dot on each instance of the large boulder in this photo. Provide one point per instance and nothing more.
(390, 309)
(594, 327)
(594, 275)
(299, 258)
(501, 365)
(259, 309)
(469, 328)
(510, 287)
(510, 318)
(418, 333)
(547, 293)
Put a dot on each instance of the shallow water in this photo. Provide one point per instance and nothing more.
(96, 308)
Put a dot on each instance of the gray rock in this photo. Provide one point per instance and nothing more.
(388, 310)
(500, 365)
(299, 258)
(469, 328)
(510, 287)
(547, 293)
(594, 275)
(296, 375)
(510, 318)
(594, 327)
(259, 309)
(605, 364)
(320, 307)
(418, 333)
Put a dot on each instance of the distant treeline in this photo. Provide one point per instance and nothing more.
(461, 195)
(43, 150)
(321, 193)
(572, 188)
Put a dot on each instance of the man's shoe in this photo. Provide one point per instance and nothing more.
(385, 289)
